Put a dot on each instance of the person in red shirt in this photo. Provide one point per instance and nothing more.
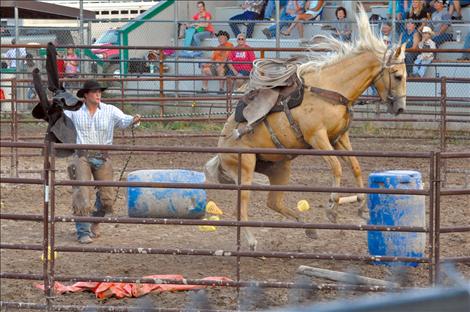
(60, 65)
(238, 55)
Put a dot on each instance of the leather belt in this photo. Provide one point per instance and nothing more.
(93, 154)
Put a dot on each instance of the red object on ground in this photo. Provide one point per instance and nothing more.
(128, 290)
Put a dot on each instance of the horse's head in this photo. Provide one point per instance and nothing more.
(391, 81)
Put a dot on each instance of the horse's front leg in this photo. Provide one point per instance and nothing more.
(320, 141)
(247, 169)
(345, 144)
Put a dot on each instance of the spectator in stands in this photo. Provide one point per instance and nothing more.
(289, 13)
(440, 23)
(466, 45)
(71, 65)
(30, 66)
(424, 58)
(270, 8)
(457, 5)
(342, 27)
(313, 10)
(400, 9)
(411, 38)
(386, 32)
(217, 69)
(429, 5)
(11, 54)
(60, 65)
(238, 55)
(195, 33)
(419, 12)
(252, 12)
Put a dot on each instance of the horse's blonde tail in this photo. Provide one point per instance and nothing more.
(215, 173)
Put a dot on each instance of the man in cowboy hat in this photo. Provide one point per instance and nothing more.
(95, 122)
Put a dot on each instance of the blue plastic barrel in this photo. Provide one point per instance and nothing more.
(166, 202)
(397, 210)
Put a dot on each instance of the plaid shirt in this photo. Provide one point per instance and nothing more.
(99, 128)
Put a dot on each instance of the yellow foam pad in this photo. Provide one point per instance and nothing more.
(207, 228)
(49, 254)
(212, 208)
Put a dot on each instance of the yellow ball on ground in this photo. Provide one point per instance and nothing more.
(303, 205)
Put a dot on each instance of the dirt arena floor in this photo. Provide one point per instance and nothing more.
(309, 171)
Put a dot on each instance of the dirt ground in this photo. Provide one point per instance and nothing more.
(309, 171)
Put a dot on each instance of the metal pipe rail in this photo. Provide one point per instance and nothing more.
(434, 192)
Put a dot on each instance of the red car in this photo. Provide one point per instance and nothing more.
(109, 38)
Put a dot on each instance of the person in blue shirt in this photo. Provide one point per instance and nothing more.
(411, 38)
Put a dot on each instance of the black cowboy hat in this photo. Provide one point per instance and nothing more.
(223, 33)
(90, 85)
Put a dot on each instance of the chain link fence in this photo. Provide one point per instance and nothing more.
(162, 26)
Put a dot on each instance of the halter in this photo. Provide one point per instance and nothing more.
(387, 63)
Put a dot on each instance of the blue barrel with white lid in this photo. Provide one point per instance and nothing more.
(396, 210)
(166, 202)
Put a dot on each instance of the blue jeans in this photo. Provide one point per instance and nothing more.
(419, 69)
(271, 6)
(247, 15)
(84, 168)
(284, 21)
(84, 228)
(199, 36)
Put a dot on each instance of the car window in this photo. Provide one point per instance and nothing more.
(111, 36)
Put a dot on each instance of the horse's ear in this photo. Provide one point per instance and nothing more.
(400, 50)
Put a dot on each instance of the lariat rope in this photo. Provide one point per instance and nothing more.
(271, 73)
(125, 164)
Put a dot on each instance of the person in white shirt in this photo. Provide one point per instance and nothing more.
(11, 55)
(94, 122)
(424, 58)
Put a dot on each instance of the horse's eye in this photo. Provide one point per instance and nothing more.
(398, 77)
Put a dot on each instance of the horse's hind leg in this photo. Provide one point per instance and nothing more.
(279, 174)
(345, 144)
(247, 169)
(320, 141)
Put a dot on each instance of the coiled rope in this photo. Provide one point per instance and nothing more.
(271, 73)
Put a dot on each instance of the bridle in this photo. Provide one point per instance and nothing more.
(388, 63)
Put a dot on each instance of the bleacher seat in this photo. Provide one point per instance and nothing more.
(380, 10)
(448, 55)
(466, 14)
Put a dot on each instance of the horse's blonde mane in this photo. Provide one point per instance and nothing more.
(367, 41)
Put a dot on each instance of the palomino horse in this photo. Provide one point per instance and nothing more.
(331, 86)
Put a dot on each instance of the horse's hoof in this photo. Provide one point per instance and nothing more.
(331, 215)
(363, 215)
(311, 233)
(253, 245)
